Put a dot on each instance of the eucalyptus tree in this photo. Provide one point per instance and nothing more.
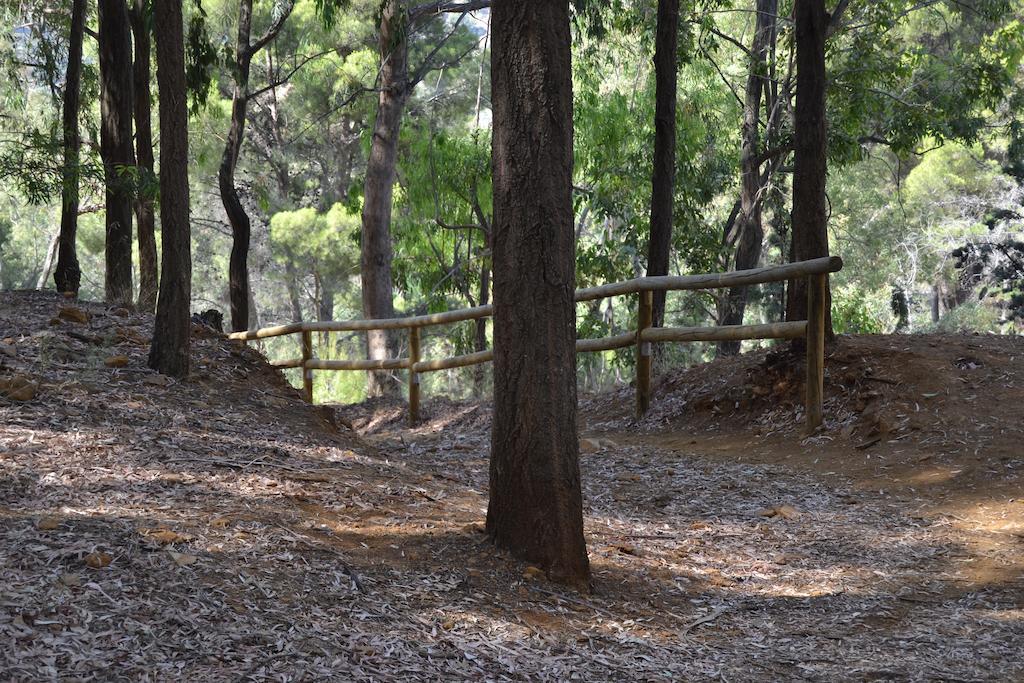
(245, 49)
(395, 83)
(116, 108)
(68, 274)
(535, 508)
(145, 218)
(169, 352)
(663, 175)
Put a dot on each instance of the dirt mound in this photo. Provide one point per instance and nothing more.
(873, 383)
(70, 355)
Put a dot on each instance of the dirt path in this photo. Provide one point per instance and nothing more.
(219, 529)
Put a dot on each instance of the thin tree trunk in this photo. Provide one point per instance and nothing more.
(241, 229)
(810, 166)
(748, 232)
(51, 257)
(664, 173)
(169, 352)
(239, 292)
(375, 247)
(480, 341)
(144, 213)
(292, 284)
(115, 60)
(535, 508)
(68, 276)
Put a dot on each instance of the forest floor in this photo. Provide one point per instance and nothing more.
(220, 529)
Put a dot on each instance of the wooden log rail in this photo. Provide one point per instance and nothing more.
(813, 329)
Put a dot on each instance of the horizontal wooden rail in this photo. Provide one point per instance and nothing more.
(456, 362)
(290, 363)
(383, 364)
(738, 278)
(619, 341)
(791, 330)
(815, 270)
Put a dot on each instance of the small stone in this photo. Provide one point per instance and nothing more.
(533, 573)
(97, 560)
(73, 314)
(18, 388)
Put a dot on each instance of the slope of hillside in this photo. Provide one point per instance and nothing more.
(220, 529)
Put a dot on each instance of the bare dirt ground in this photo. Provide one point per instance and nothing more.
(220, 529)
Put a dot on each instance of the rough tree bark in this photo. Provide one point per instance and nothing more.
(395, 84)
(115, 43)
(145, 218)
(810, 212)
(68, 276)
(375, 246)
(535, 508)
(241, 227)
(169, 352)
(663, 177)
(747, 232)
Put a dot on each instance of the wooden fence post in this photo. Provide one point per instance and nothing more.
(414, 377)
(645, 316)
(815, 349)
(307, 373)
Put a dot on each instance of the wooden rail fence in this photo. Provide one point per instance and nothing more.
(813, 329)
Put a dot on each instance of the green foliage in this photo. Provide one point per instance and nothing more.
(855, 311)
(320, 242)
(201, 59)
(972, 316)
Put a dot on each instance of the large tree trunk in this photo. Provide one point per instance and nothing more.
(375, 247)
(535, 508)
(238, 266)
(68, 276)
(144, 214)
(748, 232)
(115, 60)
(810, 213)
(663, 176)
(169, 352)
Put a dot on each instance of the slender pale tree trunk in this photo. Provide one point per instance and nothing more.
(68, 276)
(115, 60)
(169, 352)
(664, 173)
(810, 166)
(48, 262)
(535, 508)
(144, 215)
